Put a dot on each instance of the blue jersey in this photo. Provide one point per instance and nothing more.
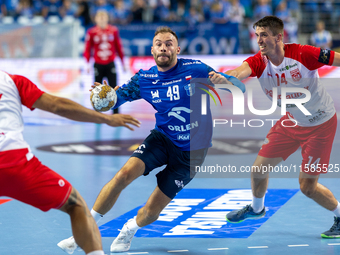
(177, 99)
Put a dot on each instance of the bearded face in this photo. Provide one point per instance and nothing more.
(164, 50)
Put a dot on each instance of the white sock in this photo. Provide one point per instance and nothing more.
(257, 204)
(96, 253)
(336, 211)
(97, 216)
(132, 225)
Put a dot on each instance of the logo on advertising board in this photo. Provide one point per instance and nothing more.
(55, 80)
(200, 213)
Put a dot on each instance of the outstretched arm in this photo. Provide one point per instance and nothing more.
(74, 111)
(241, 72)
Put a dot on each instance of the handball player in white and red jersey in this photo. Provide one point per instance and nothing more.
(104, 41)
(279, 65)
(23, 177)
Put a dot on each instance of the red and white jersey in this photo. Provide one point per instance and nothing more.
(104, 43)
(298, 70)
(15, 91)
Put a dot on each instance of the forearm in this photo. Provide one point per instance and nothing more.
(68, 109)
(74, 111)
(232, 73)
(241, 72)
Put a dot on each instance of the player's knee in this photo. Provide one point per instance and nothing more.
(124, 177)
(307, 189)
(74, 202)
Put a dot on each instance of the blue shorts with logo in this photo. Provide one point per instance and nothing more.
(158, 150)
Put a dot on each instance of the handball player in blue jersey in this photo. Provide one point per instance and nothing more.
(179, 141)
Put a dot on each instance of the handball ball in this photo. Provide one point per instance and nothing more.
(103, 98)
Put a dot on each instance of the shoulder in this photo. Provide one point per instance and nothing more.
(257, 58)
(91, 30)
(292, 49)
(299, 51)
(257, 64)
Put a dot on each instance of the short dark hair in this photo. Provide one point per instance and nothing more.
(274, 24)
(165, 29)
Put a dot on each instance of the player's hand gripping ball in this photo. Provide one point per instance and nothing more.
(103, 98)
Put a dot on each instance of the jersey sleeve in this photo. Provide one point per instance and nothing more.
(314, 58)
(209, 69)
(28, 91)
(256, 65)
(129, 91)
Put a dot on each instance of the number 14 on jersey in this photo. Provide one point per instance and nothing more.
(283, 79)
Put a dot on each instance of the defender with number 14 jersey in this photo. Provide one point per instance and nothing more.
(297, 70)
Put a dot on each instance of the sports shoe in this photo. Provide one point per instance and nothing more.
(68, 245)
(123, 240)
(334, 232)
(246, 212)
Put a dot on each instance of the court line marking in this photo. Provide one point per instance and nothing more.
(144, 252)
(257, 247)
(298, 245)
(178, 251)
(333, 243)
(217, 249)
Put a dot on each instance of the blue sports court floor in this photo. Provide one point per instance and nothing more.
(194, 223)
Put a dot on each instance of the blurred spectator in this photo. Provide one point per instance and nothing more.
(102, 5)
(51, 8)
(219, 13)
(262, 9)
(121, 15)
(275, 4)
(248, 8)
(293, 6)
(25, 9)
(282, 12)
(290, 23)
(193, 18)
(310, 15)
(310, 5)
(236, 12)
(178, 11)
(69, 8)
(9, 7)
(138, 8)
(321, 37)
(38, 6)
(206, 6)
(326, 9)
(83, 13)
(161, 11)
